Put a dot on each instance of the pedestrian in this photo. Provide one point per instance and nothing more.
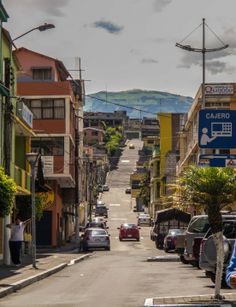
(231, 270)
(15, 242)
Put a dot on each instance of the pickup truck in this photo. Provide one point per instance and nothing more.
(198, 227)
(207, 259)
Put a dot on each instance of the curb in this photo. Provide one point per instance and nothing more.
(194, 300)
(163, 259)
(32, 279)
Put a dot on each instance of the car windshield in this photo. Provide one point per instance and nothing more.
(129, 226)
(96, 232)
(175, 231)
(199, 225)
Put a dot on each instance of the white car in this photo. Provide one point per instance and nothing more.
(144, 218)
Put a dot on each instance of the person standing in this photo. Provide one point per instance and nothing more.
(231, 270)
(15, 242)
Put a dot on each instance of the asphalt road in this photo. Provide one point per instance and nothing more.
(121, 277)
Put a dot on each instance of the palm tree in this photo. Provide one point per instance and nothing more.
(211, 188)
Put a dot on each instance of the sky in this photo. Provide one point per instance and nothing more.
(130, 44)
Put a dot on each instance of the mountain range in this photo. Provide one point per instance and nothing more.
(138, 103)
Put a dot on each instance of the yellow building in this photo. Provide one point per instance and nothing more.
(170, 126)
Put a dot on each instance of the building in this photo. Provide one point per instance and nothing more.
(93, 136)
(56, 106)
(105, 119)
(170, 126)
(217, 96)
(150, 127)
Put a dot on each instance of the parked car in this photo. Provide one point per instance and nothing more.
(144, 218)
(100, 203)
(128, 190)
(96, 224)
(154, 232)
(100, 219)
(198, 227)
(179, 246)
(170, 239)
(129, 231)
(207, 259)
(101, 211)
(105, 188)
(94, 238)
(131, 146)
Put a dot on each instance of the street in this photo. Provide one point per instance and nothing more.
(122, 276)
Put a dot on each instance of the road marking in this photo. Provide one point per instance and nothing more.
(118, 219)
(125, 161)
(114, 205)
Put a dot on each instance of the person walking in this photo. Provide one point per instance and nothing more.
(15, 242)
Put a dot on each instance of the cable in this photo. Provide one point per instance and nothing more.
(191, 33)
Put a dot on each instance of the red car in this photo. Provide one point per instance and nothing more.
(129, 231)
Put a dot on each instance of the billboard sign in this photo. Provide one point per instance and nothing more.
(219, 89)
(215, 160)
(217, 128)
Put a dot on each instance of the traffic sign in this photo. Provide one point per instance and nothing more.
(217, 160)
(217, 128)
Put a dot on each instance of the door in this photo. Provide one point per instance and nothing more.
(44, 229)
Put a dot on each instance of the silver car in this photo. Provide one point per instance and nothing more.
(144, 218)
(95, 238)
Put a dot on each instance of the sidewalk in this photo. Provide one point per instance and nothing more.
(48, 262)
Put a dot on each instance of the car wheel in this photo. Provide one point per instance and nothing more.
(108, 248)
(138, 239)
(120, 239)
(166, 250)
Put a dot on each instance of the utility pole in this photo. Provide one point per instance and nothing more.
(78, 157)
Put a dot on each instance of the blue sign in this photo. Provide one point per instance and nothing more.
(217, 128)
(216, 160)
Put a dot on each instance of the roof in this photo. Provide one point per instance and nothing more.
(59, 64)
(94, 129)
(172, 214)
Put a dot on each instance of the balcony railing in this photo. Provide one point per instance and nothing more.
(22, 178)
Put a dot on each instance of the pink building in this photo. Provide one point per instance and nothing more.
(54, 102)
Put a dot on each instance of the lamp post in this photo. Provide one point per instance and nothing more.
(32, 158)
(41, 28)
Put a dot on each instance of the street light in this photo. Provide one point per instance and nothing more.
(32, 158)
(41, 28)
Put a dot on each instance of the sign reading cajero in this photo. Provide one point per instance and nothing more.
(219, 89)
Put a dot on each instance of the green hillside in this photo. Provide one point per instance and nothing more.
(149, 101)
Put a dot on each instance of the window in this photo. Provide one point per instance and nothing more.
(48, 146)
(42, 73)
(94, 133)
(47, 108)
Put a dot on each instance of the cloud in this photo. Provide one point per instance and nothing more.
(149, 61)
(159, 5)
(218, 67)
(51, 7)
(108, 26)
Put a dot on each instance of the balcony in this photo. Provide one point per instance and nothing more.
(22, 180)
(59, 169)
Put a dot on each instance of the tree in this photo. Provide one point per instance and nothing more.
(210, 188)
(7, 193)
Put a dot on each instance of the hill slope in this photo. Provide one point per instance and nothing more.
(149, 101)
